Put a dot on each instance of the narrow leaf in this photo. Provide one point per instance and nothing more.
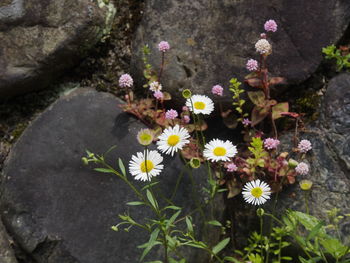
(189, 224)
(103, 170)
(121, 167)
(135, 203)
(215, 223)
(151, 199)
(221, 245)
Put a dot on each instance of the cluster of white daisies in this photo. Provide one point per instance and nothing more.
(145, 165)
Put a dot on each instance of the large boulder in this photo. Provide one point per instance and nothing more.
(212, 40)
(59, 210)
(39, 39)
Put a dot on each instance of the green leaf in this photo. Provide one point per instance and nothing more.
(315, 230)
(151, 199)
(172, 219)
(287, 258)
(103, 170)
(173, 207)
(189, 224)
(215, 223)
(334, 247)
(149, 185)
(308, 221)
(151, 243)
(121, 167)
(221, 245)
(231, 259)
(135, 203)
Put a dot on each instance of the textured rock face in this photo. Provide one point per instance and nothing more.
(39, 39)
(212, 40)
(6, 253)
(57, 209)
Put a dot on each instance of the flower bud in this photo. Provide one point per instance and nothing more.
(85, 160)
(186, 93)
(305, 185)
(195, 163)
(292, 163)
(260, 212)
(145, 137)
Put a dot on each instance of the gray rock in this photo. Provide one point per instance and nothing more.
(59, 210)
(212, 40)
(6, 252)
(40, 39)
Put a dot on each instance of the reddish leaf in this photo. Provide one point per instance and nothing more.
(253, 74)
(257, 97)
(278, 109)
(259, 114)
(234, 188)
(290, 114)
(167, 96)
(229, 119)
(271, 103)
(254, 82)
(277, 80)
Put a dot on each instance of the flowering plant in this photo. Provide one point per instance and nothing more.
(256, 169)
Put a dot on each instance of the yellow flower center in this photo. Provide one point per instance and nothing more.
(256, 192)
(173, 140)
(198, 105)
(145, 137)
(219, 151)
(146, 166)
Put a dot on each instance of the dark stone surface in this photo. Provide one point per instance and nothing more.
(59, 210)
(212, 40)
(40, 39)
(6, 252)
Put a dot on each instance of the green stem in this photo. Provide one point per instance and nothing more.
(261, 238)
(306, 197)
(279, 250)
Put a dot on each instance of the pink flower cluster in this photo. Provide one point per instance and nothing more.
(217, 90)
(186, 119)
(252, 65)
(302, 168)
(271, 143)
(270, 26)
(126, 81)
(231, 167)
(158, 95)
(171, 114)
(163, 46)
(304, 146)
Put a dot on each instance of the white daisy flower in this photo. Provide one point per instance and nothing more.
(256, 192)
(218, 150)
(173, 139)
(201, 104)
(144, 166)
